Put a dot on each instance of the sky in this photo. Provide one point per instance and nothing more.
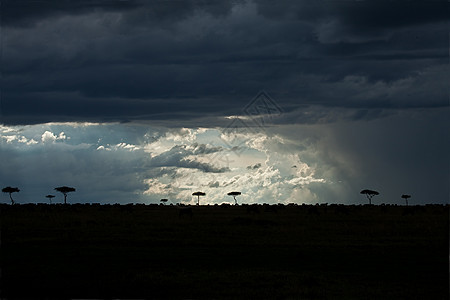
(294, 102)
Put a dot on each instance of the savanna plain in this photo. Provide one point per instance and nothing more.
(224, 252)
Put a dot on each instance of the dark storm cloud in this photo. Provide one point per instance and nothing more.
(192, 62)
(362, 17)
(407, 151)
(25, 13)
(370, 15)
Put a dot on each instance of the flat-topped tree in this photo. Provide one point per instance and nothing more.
(234, 194)
(164, 201)
(198, 194)
(406, 197)
(50, 198)
(10, 190)
(64, 190)
(369, 194)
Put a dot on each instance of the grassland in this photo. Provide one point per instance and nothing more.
(224, 252)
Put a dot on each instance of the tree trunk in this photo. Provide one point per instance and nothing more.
(65, 197)
(12, 200)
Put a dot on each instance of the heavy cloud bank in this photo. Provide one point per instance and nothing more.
(132, 101)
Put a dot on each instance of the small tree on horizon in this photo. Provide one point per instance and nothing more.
(198, 194)
(369, 194)
(164, 201)
(64, 190)
(234, 194)
(50, 198)
(10, 190)
(406, 198)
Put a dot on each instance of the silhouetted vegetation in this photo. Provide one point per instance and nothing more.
(10, 190)
(224, 252)
(64, 190)
(234, 194)
(198, 194)
(369, 194)
(406, 197)
(49, 197)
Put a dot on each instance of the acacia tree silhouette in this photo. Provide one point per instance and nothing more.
(164, 201)
(50, 198)
(10, 190)
(234, 194)
(64, 190)
(406, 198)
(198, 194)
(369, 194)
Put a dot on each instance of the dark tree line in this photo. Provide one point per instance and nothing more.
(66, 189)
(62, 189)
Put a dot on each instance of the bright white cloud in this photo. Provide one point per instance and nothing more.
(24, 140)
(127, 146)
(61, 136)
(183, 135)
(49, 137)
(273, 180)
(9, 138)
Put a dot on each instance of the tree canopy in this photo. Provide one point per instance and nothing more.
(50, 198)
(369, 194)
(10, 190)
(198, 194)
(234, 194)
(406, 197)
(64, 190)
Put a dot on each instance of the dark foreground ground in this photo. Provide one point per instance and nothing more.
(279, 252)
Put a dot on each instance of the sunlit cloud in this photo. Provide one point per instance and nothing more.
(172, 165)
(134, 163)
(49, 137)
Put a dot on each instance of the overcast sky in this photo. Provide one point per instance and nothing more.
(295, 102)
